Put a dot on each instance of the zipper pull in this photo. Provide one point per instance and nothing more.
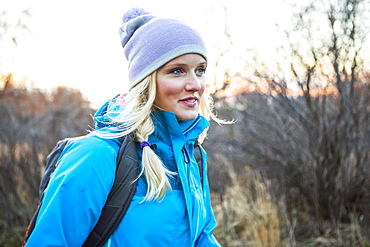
(186, 156)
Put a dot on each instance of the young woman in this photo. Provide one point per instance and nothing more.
(166, 108)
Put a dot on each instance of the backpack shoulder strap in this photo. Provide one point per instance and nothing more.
(121, 194)
(51, 162)
(50, 166)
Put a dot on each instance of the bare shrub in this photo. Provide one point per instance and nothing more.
(318, 164)
(307, 123)
(32, 122)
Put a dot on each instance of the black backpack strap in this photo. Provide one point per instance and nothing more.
(51, 162)
(120, 196)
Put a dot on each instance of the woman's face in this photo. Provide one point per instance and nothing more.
(180, 85)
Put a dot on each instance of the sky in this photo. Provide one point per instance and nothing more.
(76, 43)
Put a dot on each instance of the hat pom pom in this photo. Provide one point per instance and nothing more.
(133, 13)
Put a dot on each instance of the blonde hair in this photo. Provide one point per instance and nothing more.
(135, 118)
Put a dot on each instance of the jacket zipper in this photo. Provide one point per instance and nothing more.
(187, 170)
(186, 155)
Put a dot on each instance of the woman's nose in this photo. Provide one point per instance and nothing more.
(193, 83)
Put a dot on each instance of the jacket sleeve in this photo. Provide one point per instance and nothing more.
(207, 238)
(76, 193)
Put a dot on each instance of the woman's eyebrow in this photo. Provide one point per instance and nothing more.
(184, 64)
(177, 64)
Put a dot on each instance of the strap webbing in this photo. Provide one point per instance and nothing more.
(120, 196)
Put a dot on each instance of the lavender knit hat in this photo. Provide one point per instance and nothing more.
(150, 42)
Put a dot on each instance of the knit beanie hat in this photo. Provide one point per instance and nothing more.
(150, 42)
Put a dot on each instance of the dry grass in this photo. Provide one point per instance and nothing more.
(246, 213)
(350, 234)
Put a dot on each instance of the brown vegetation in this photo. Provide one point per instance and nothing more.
(304, 126)
(31, 122)
(279, 176)
(278, 166)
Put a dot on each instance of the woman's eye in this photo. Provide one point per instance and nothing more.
(200, 71)
(176, 71)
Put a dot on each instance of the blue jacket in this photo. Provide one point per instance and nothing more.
(85, 174)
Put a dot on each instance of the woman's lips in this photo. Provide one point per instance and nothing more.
(190, 101)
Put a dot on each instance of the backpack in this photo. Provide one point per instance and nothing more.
(119, 197)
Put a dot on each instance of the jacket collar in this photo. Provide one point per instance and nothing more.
(168, 129)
